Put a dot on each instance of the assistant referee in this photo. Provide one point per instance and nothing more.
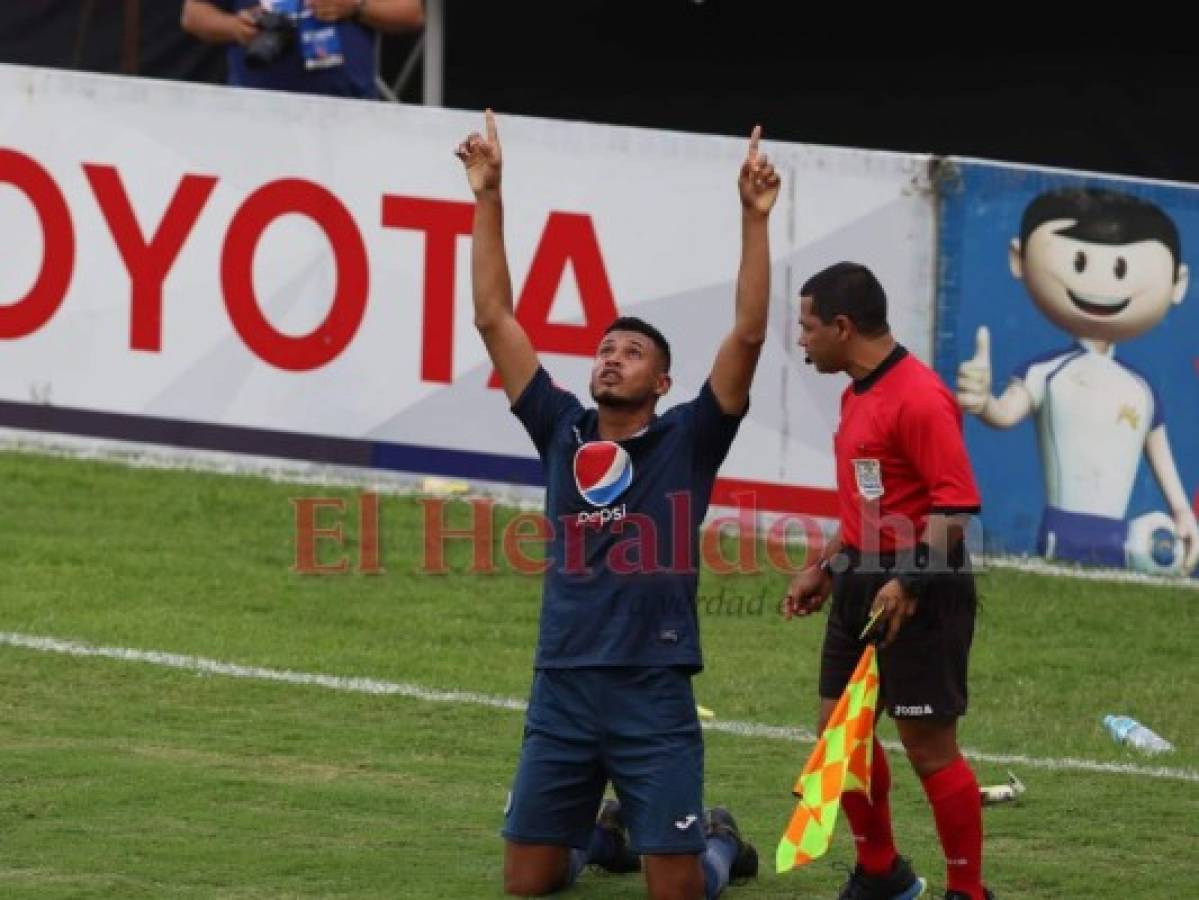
(905, 493)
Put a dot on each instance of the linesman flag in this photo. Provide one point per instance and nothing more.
(841, 762)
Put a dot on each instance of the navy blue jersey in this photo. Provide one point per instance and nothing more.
(625, 516)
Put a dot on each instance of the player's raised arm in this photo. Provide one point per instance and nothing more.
(507, 344)
(733, 371)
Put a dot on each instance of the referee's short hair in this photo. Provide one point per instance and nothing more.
(851, 290)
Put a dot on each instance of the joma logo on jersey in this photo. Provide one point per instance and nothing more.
(603, 471)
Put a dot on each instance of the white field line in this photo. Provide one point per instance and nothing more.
(472, 698)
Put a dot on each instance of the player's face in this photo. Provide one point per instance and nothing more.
(1099, 291)
(818, 340)
(628, 371)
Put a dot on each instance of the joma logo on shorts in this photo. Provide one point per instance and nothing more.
(924, 710)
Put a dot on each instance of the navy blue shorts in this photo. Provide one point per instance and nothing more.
(637, 728)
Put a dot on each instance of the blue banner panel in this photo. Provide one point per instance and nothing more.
(1068, 326)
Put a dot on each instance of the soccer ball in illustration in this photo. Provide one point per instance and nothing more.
(1152, 545)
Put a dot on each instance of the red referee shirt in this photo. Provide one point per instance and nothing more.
(900, 455)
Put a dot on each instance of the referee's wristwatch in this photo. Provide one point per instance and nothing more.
(826, 567)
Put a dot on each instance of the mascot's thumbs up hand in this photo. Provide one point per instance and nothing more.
(974, 375)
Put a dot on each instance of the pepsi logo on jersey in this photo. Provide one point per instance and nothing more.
(603, 471)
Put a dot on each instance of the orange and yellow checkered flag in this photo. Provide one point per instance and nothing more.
(841, 762)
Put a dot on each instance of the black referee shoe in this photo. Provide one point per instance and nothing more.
(719, 822)
(900, 883)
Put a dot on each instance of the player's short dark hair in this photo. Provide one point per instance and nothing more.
(1102, 216)
(632, 323)
(851, 290)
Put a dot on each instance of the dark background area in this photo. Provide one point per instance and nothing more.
(95, 36)
(1116, 99)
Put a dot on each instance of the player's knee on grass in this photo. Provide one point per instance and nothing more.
(534, 870)
(674, 877)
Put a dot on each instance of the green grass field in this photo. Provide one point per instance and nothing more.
(126, 779)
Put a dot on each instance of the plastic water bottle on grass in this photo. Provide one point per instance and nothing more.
(1127, 730)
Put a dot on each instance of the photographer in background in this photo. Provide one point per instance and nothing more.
(304, 46)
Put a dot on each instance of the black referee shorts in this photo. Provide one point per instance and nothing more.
(923, 673)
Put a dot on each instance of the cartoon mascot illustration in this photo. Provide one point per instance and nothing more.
(1104, 267)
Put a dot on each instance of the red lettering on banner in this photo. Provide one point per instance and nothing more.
(333, 335)
(568, 238)
(148, 263)
(150, 254)
(443, 222)
(36, 308)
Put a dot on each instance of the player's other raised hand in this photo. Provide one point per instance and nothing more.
(480, 154)
(758, 181)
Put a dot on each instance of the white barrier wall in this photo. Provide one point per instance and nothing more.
(290, 275)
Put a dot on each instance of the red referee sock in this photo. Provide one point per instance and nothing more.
(957, 808)
(870, 818)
